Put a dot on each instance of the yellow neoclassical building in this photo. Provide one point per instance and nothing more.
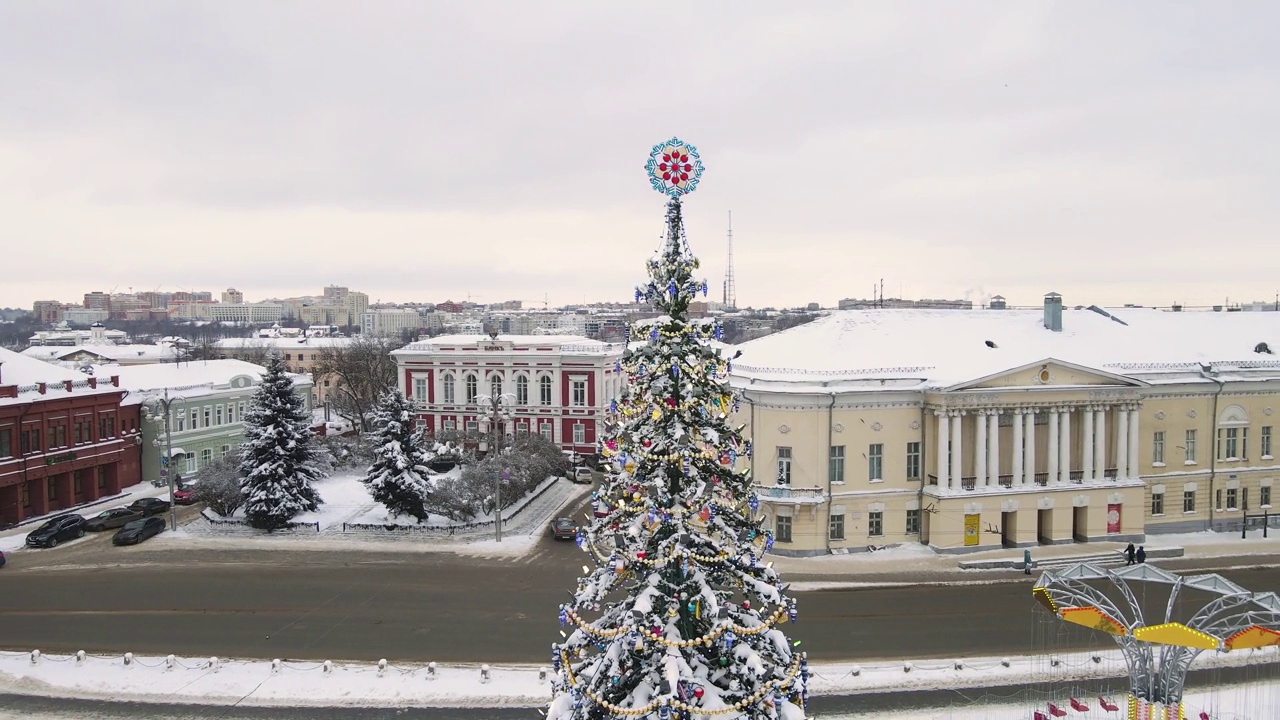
(973, 430)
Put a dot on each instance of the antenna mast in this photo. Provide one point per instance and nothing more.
(730, 292)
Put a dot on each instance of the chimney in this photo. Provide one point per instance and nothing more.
(1053, 312)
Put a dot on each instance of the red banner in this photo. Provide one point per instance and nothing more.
(1113, 519)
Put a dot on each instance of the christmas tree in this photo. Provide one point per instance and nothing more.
(277, 462)
(679, 618)
(398, 476)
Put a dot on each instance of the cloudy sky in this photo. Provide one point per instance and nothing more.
(1113, 152)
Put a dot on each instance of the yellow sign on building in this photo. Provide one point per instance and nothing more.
(971, 529)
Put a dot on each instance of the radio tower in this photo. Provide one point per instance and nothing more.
(730, 292)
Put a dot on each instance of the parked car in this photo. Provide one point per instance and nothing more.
(112, 519)
(55, 530)
(149, 506)
(138, 530)
(1, 558)
(186, 495)
(582, 475)
(563, 528)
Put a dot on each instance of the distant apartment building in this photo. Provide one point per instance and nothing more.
(191, 309)
(388, 322)
(84, 316)
(449, 306)
(248, 313)
(300, 355)
(97, 300)
(65, 336)
(50, 312)
(232, 295)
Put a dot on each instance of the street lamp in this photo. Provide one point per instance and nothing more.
(158, 410)
(500, 408)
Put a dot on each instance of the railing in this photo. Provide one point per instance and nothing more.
(786, 492)
(933, 479)
(1111, 473)
(1006, 480)
(1042, 478)
(1076, 476)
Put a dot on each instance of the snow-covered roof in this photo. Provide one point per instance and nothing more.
(564, 343)
(189, 379)
(156, 353)
(941, 348)
(25, 373)
(282, 342)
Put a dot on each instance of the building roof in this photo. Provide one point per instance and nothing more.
(282, 343)
(942, 348)
(50, 353)
(189, 379)
(26, 373)
(563, 343)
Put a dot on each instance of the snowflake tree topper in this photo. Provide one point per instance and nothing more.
(674, 168)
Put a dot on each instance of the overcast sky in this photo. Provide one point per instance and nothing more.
(1112, 152)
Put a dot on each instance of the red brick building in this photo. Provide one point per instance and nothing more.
(64, 438)
(559, 386)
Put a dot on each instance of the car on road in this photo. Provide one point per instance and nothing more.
(564, 528)
(112, 519)
(582, 475)
(186, 495)
(56, 530)
(138, 530)
(149, 506)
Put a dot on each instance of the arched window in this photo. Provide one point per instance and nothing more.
(448, 388)
(495, 384)
(522, 390)
(544, 390)
(471, 389)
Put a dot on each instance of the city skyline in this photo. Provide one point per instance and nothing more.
(438, 151)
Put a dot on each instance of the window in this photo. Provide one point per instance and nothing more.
(77, 482)
(472, 427)
(579, 433)
(106, 426)
(1188, 501)
(206, 457)
(1217, 499)
(522, 430)
(913, 522)
(57, 436)
(875, 523)
(522, 390)
(1264, 495)
(1157, 503)
(449, 424)
(835, 527)
(6, 443)
(495, 384)
(195, 416)
(191, 463)
(240, 413)
(784, 466)
(448, 388)
(208, 416)
(835, 466)
(782, 529)
(181, 423)
(231, 412)
(1228, 443)
(1190, 444)
(545, 430)
(578, 394)
(102, 477)
(913, 461)
(544, 390)
(420, 389)
(875, 461)
(1266, 441)
(218, 415)
(1233, 501)
(1157, 448)
(52, 489)
(472, 386)
(30, 441)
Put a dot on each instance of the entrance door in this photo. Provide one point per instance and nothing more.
(1009, 529)
(1044, 527)
(1080, 524)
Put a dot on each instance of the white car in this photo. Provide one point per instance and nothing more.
(582, 475)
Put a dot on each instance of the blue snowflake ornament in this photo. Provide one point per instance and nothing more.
(653, 334)
(674, 168)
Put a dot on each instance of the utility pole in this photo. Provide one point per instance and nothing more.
(159, 410)
(499, 410)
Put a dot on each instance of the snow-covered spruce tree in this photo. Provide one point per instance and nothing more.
(398, 476)
(277, 462)
(679, 618)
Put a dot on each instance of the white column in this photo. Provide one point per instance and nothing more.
(1086, 452)
(1135, 466)
(1016, 451)
(944, 431)
(993, 447)
(980, 450)
(1100, 443)
(1029, 438)
(1123, 462)
(1052, 460)
(1064, 447)
(957, 450)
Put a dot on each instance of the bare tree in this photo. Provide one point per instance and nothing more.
(359, 373)
(219, 487)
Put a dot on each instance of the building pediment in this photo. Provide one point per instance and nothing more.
(1048, 373)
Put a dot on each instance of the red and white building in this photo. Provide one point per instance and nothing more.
(558, 385)
(65, 439)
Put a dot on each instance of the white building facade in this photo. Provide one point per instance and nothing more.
(558, 386)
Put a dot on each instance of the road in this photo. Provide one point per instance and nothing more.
(155, 599)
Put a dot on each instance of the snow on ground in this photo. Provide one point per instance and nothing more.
(198, 680)
(16, 538)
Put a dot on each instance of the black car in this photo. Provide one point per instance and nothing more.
(564, 528)
(138, 530)
(149, 506)
(111, 519)
(55, 530)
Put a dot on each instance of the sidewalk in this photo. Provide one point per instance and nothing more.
(15, 537)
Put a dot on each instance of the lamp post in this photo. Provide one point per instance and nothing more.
(500, 408)
(158, 410)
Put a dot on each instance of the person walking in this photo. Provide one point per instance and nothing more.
(1128, 554)
(1142, 555)
(1026, 561)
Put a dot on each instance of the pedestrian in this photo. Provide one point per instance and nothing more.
(1026, 562)
(1128, 554)
(1142, 555)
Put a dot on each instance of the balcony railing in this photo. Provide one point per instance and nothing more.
(787, 492)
